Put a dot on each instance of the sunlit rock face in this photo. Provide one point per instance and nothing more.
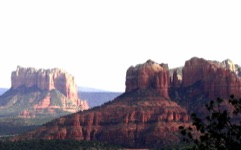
(229, 65)
(45, 80)
(41, 92)
(148, 75)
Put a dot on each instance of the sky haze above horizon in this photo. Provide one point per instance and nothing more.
(97, 41)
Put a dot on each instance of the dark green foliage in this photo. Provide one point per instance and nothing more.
(13, 130)
(55, 145)
(55, 97)
(13, 126)
(177, 146)
(220, 130)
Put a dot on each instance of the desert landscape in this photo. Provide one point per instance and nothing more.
(156, 102)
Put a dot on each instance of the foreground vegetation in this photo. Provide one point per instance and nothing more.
(14, 125)
(55, 145)
(220, 130)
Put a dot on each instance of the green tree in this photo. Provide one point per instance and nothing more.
(220, 130)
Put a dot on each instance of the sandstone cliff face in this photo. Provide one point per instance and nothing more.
(228, 64)
(36, 93)
(231, 66)
(148, 75)
(215, 80)
(45, 80)
(140, 118)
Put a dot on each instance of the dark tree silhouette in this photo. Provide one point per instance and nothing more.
(220, 130)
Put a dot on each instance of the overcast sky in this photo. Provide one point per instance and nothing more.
(97, 40)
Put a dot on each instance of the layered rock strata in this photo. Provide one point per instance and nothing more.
(215, 80)
(45, 79)
(138, 119)
(148, 75)
(38, 92)
(143, 116)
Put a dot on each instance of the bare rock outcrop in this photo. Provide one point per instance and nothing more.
(38, 92)
(229, 65)
(148, 75)
(45, 80)
(175, 77)
(137, 119)
(216, 81)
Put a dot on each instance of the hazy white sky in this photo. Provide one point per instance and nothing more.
(97, 40)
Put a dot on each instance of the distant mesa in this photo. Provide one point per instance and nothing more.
(41, 92)
(89, 89)
(45, 80)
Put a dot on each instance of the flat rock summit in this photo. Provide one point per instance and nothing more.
(45, 79)
(41, 92)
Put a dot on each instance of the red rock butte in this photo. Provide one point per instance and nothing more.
(41, 92)
(45, 80)
(217, 79)
(148, 75)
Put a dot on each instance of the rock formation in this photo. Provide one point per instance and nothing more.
(139, 118)
(36, 93)
(215, 80)
(143, 116)
(175, 77)
(152, 108)
(45, 80)
(148, 75)
(229, 65)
